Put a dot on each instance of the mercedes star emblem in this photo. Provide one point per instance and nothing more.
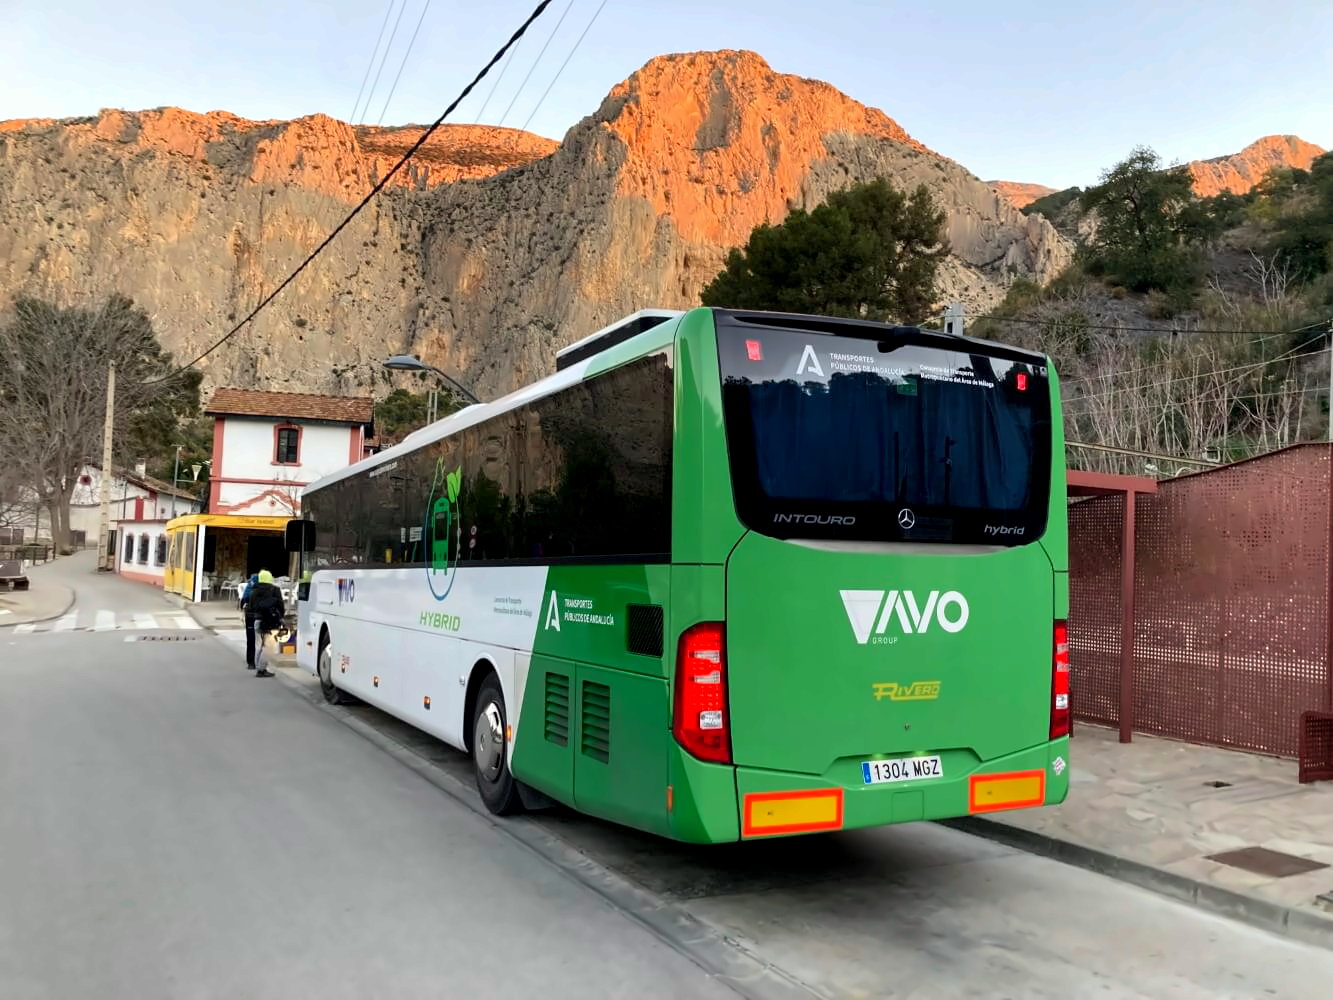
(906, 519)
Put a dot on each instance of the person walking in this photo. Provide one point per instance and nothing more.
(266, 604)
(249, 621)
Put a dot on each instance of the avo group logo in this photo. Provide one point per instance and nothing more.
(873, 613)
(442, 530)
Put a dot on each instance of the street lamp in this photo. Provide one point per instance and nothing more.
(409, 363)
(176, 478)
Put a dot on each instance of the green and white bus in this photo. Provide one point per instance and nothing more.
(723, 575)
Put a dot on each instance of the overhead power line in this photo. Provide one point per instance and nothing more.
(403, 65)
(496, 85)
(385, 57)
(536, 61)
(500, 53)
(1147, 329)
(1141, 454)
(1287, 356)
(1149, 368)
(388, 9)
(547, 91)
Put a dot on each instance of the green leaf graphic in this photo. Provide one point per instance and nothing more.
(455, 482)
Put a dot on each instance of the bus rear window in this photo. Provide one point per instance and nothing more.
(903, 439)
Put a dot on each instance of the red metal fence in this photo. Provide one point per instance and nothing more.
(1232, 635)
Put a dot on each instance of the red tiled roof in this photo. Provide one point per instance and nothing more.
(291, 405)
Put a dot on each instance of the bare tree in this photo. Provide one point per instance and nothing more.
(1191, 395)
(53, 393)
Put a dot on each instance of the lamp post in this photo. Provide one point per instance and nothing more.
(409, 363)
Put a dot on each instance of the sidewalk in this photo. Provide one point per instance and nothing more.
(1152, 812)
(47, 596)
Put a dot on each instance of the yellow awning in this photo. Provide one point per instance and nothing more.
(244, 522)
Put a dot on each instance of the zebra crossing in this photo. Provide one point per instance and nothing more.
(109, 621)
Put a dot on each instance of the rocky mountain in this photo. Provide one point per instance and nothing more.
(494, 249)
(1237, 173)
(1019, 194)
(1240, 172)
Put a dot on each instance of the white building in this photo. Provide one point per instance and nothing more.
(141, 550)
(267, 446)
(134, 496)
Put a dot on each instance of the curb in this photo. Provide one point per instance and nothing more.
(48, 618)
(1293, 922)
(721, 957)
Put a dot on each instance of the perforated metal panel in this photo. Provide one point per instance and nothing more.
(1232, 576)
(1094, 608)
(1316, 751)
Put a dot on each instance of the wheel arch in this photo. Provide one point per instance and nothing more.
(482, 669)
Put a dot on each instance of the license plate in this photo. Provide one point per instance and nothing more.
(879, 772)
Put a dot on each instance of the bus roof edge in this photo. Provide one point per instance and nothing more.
(615, 333)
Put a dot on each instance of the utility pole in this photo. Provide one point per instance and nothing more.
(104, 528)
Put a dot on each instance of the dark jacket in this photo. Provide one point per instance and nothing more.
(265, 603)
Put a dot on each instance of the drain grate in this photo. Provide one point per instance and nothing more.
(162, 638)
(1262, 861)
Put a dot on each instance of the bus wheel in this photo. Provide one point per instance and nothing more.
(489, 751)
(332, 693)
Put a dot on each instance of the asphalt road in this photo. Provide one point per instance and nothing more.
(171, 826)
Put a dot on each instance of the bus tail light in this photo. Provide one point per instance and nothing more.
(699, 719)
(1060, 715)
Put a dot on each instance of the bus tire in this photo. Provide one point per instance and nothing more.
(333, 694)
(490, 750)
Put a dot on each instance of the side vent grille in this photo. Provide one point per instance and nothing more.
(597, 721)
(557, 709)
(645, 629)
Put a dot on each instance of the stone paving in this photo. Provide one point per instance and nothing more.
(1170, 805)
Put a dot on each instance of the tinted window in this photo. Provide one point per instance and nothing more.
(900, 439)
(582, 474)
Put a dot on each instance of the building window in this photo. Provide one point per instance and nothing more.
(129, 548)
(161, 556)
(143, 547)
(286, 445)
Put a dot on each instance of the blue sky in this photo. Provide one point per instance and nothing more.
(1047, 92)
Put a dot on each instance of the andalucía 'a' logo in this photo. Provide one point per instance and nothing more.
(553, 612)
(872, 611)
(442, 532)
(810, 362)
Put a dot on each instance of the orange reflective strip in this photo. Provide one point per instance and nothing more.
(768, 814)
(1007, 790)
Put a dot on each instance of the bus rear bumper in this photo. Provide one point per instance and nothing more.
(776, 803)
